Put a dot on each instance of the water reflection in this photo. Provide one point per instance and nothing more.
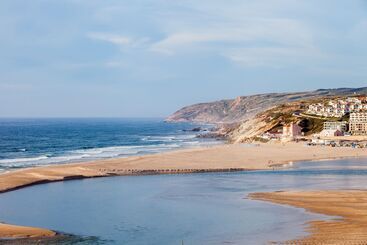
(197, 208)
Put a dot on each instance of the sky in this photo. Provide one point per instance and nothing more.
(148, 58)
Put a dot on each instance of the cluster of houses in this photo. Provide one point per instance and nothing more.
(339, 107)
(356, 107)
(357, 125)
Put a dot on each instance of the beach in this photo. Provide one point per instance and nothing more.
(237, 157)
(350, 225)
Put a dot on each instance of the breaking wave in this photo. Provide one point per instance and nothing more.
(81, 155)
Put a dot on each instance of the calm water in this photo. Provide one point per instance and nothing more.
(28, 142)
(196, 208)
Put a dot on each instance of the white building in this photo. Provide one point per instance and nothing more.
(331, 133)
(342, 126)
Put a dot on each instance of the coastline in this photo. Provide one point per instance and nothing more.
(222, 158)
(350, 226)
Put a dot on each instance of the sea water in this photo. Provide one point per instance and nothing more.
(30, 142)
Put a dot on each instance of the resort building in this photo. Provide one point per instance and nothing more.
(332, 129)
(291, 130)
(338, 108)
(342, 126)
(358, 123)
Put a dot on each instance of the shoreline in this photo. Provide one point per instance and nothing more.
(221, 158)
(347, 208)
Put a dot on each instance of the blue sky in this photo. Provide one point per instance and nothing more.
(147, 58)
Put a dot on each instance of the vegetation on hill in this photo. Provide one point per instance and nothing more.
(273, 120)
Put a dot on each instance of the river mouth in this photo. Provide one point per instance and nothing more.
(209, 208)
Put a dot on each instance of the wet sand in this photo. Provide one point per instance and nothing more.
(13, 231)
(237, 157)
(350, 207)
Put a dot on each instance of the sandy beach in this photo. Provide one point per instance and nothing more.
(218, 158)
(350, 207)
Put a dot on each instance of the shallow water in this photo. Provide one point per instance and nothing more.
(206, 208)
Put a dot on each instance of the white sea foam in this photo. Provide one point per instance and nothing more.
(21, 160)
(166, 143)
(87, 154)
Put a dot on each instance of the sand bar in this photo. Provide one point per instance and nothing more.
(349, 205)
(217, 158)
(14, 231)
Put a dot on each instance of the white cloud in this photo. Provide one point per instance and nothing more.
(252, 33)
(121, 41)
(255, 42)
(275, 57)
(177, 41)
(111, 38)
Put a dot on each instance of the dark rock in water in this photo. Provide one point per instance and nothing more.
(198, 129)
(220, 132)
(211, 136)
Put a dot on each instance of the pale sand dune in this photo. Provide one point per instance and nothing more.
(218, 158)
(349, 205)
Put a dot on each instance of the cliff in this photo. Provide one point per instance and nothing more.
(247, 107)
(270, 120)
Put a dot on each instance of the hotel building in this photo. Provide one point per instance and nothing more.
(358, 123)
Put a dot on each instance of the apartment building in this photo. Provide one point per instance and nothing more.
(358, 123)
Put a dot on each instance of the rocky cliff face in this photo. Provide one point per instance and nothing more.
(264, 122)
(247, 107)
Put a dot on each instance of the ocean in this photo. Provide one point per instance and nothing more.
(33, 142)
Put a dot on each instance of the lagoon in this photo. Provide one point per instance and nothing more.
(208, 208)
